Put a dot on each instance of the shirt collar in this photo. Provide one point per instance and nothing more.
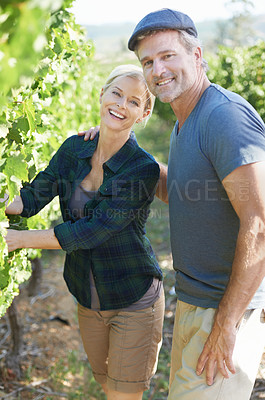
(118, 159)
(88, 148)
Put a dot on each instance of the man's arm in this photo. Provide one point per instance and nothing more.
(248, 268)
(161, 191)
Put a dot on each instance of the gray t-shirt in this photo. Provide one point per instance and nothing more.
(222, 133)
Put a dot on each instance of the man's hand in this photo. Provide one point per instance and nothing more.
(90, 134)
(217, 353)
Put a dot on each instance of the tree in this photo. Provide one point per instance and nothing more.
(238, 30)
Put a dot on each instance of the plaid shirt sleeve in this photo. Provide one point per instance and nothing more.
(114, 212)
(43, 188)
(39, 193)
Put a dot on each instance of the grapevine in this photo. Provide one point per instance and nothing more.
(48, 90)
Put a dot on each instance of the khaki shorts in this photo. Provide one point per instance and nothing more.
(192, 327)
(123, 346)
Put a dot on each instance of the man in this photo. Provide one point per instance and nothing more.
(216, 194)
(216, 191)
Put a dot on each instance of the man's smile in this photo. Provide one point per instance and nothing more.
(165, 82)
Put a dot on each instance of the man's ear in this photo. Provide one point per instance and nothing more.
(198, 55)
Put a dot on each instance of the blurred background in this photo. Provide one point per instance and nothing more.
(223, 22)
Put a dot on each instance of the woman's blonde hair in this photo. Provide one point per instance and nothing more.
(132, 71)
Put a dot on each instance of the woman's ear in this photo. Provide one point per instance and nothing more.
(100, 96)
(145, 114)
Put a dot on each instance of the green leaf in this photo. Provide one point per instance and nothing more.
(17, 222)
(58, 45)
(4, 277)
(30, 112)
(22, 125)
(15, 135)
(16, 166)
(3, 131)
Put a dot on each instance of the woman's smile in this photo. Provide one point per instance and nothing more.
(116, 114)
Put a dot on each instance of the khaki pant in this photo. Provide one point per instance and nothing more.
(191, 329)
(123, 346)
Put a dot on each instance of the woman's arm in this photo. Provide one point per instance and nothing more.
(122, 200)
(32, 239)
(16, 207)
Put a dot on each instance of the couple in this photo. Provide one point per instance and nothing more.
(217, 150)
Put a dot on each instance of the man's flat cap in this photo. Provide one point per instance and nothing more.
(162, 19)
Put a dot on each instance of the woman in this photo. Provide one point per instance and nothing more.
(105, 187)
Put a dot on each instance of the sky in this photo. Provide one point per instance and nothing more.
(99, 12)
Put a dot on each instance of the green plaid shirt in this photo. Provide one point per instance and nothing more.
(110, 240)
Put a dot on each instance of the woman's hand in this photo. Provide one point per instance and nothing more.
(90, 134)
(31, 239)
(13, 239)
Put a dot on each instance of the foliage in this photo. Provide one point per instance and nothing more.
(241, 70)
(164, 111)
(48, 90)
